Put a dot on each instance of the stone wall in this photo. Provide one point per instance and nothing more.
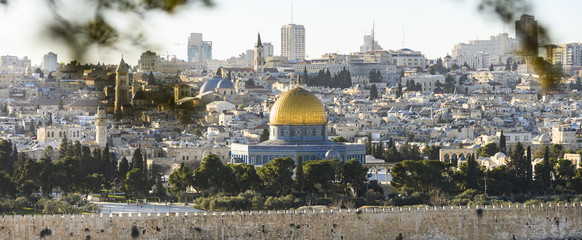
(481, 222)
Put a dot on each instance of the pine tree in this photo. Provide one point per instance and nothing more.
(264, 135)
(64, 147)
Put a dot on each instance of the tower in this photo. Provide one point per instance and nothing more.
(101, 127)
(121, 86)
(293, 42)
(259, 55)
(526, 33)
(198, 49)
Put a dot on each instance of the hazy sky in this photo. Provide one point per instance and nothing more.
(431, 26)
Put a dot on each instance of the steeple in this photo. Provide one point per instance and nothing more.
(121, 86)
(259, 56)
(122, 67)
(259, 44)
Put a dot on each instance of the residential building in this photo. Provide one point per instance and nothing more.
(49, 62)
(269, 49)
(567, 55)
(482, 53)
(406, 57)
(293, 42)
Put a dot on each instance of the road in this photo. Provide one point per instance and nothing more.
(107, 207)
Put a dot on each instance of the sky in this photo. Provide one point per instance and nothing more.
(332, 26)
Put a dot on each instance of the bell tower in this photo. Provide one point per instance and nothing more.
(121, 86)
(259, 56)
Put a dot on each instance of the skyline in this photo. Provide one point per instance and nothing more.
(232, 27)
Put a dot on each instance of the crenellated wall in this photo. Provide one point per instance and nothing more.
(477, 222)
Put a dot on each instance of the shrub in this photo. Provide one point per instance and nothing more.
(284, 202)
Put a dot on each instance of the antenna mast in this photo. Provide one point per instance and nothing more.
(402, 36)
(291, 12)
(373, 39)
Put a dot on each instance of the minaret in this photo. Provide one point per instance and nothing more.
(121, 86)
(259, 56)
(101, 127)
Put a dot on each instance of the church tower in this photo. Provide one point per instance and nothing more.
(101, 127)
(259, 56)
(121, 86)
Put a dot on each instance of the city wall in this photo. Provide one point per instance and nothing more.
(477, 222)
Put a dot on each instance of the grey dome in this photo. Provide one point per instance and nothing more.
(210, 85)
(332, 154)
(225, 83)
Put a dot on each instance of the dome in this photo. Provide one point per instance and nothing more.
(139, 95)
(298, 107)
(332, 154)
(500, 155)
(544, 138)
(210, 85)
(225, 83)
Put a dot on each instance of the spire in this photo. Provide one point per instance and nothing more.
(122, 67)
(259, 44)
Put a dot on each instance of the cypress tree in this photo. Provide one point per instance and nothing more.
(529, 165)
(519, 167)
(546, 170)
(471, 180)
(373, 92)
(502, 143)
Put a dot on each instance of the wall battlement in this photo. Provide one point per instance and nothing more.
(450, 222)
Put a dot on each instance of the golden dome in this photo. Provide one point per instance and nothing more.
(298, 107)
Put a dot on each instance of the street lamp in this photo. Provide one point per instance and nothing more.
(114, 190)
(485, 178)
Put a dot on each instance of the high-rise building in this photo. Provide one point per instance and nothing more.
(567, 55)
(49, 62)
(526, 33)
(198, 50)
(293, 42)
(269, 49)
